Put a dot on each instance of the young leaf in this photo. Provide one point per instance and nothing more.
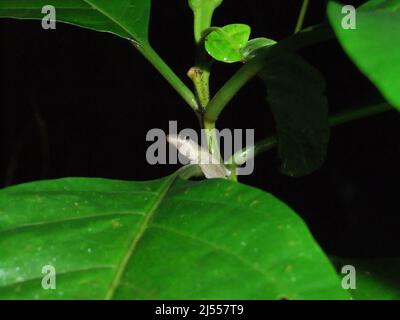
(125, 18)
(163, 239)
(250, 51)
(225, 44)
(373, 44)
(295, 92)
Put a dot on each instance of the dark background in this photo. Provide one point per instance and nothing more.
(79, 103)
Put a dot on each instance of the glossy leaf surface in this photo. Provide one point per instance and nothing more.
(250, 51)
(125, 18)
(373, 44)
(225, 44)
(163, 239)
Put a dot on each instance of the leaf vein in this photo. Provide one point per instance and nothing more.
(137, 237)
(214, 246)
(46, 223)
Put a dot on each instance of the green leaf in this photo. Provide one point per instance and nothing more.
(254, 45)
(373, 45)
(125, 18)
(381, 4)
(163, 239)
(376, 279)
(225, 44)
(295, 92)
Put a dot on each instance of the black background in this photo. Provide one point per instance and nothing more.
(79, 103)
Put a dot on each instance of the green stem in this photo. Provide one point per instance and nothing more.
(152, 56)
(189, 171)
(231, 87)
(303, 12)
(202, 21)
(248, 71)
(200, 76)
(271, 142)
(248, 153)
(203, 11)
(347, 116)
(212, 139)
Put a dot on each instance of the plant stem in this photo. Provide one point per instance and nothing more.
(201, 71)
(260, 147)
(303, 12)
(212, 139)
(152, 56)
(231, 87)
(271, 142)
(203, 11)
(200, 76)
(253, 67)
(202, 21)
(347, 116)
(189, 171)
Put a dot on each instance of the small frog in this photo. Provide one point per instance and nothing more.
(209, 164)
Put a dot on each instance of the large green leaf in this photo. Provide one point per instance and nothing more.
(381, 4)
(376, 279)
(125, 18)
(295, 92)
(373, 45)
(162, 239)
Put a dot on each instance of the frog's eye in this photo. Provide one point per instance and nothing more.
(183, 138)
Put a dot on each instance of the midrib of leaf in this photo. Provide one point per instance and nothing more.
(137, 237)
(229, 38)
(111, 19)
